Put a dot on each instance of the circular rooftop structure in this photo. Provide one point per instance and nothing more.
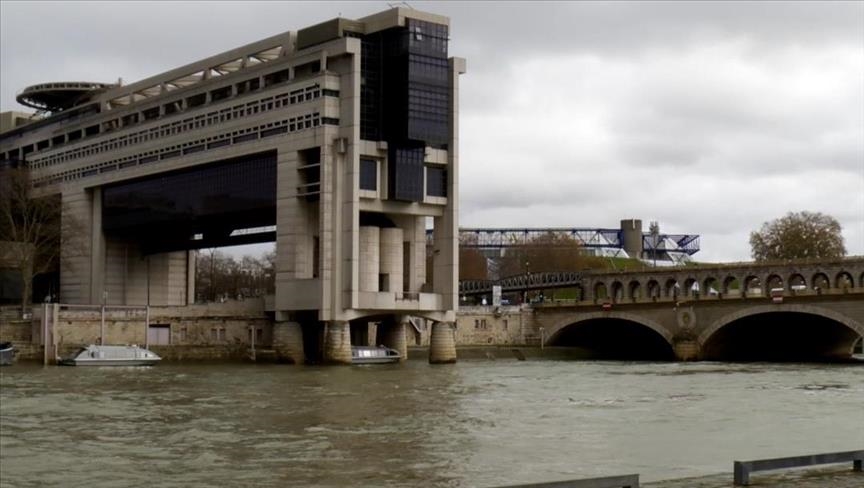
(60, 95)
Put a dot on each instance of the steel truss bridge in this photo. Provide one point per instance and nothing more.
(604, 239)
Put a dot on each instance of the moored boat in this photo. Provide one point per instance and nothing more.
(374, 355)
(101, 355)
(7, 353)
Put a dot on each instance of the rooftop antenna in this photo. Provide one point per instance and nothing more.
(406, 4)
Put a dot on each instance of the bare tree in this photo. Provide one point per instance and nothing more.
(31, 228)
(798, 235)
(547, 252)
(472, 262)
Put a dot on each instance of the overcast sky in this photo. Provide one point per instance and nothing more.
(710, 118)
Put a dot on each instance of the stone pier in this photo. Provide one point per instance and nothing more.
(442, 344)
(288, 342)
(337, 342)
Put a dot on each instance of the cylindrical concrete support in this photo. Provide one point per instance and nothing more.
(631, 237)
(391, 258)
(369, 257)
(442, 344)
(337, 342)
(288, 342)
(394, 338)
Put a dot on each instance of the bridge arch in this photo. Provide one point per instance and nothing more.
(796, 281)
(600, 290)
(634, 290)
(669, 289)
(613, 335)
(617, 291)
(691, 287)
(752, 285)
(844, 280)
(709, 284)
(820, 281)
(729, 282)
(806, 332)
(773, 281)
(653, 289)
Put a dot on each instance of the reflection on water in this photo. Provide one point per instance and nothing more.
(476, 423)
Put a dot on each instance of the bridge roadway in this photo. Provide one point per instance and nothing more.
(778, 311)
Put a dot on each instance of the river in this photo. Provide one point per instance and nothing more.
(476, 423)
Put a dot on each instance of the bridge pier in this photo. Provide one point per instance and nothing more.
(442, 343)
(288, 342)
(337, 342)
(686, 350)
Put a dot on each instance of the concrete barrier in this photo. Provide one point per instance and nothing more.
(621, 481)
(742, 469)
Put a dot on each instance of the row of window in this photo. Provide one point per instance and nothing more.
(191, 123)
(293, 124)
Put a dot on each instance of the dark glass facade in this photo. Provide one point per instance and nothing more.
(368, 174)
(405, 181)
(436, 181)
(405, 99)
(165, 212)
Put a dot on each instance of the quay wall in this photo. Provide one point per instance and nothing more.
(221, 331)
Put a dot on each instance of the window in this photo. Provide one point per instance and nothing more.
(368, 174)
(436, 181)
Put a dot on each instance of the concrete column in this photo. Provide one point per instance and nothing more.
(97, 249)
(191, 266)
(394, 336)
(76, 262)
(369, 258)
(391, 258)
(337, 342)
(442, 344)
(631, 237)
(288, 342)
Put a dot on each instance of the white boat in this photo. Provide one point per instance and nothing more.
(374, 355)
(7, 353)
(99, 355)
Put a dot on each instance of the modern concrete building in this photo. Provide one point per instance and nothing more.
(337, 141)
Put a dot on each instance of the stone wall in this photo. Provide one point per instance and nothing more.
(211, 331)
(487, 325)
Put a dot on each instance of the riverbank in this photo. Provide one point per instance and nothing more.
(834, 476)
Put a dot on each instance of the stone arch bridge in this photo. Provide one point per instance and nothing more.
(792, 311)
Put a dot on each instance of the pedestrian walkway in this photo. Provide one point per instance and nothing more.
(835, 476)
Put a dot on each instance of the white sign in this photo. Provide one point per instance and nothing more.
(496, 295)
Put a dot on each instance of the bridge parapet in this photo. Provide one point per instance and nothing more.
(725, 281)
(738, 280)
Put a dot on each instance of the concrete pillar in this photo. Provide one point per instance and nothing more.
(97, 249)
(631, 237)
(288, 342)
(442, 344)
(191, 267)
(370, 256)
(394, 336)
(392, 258)
(337, 342)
